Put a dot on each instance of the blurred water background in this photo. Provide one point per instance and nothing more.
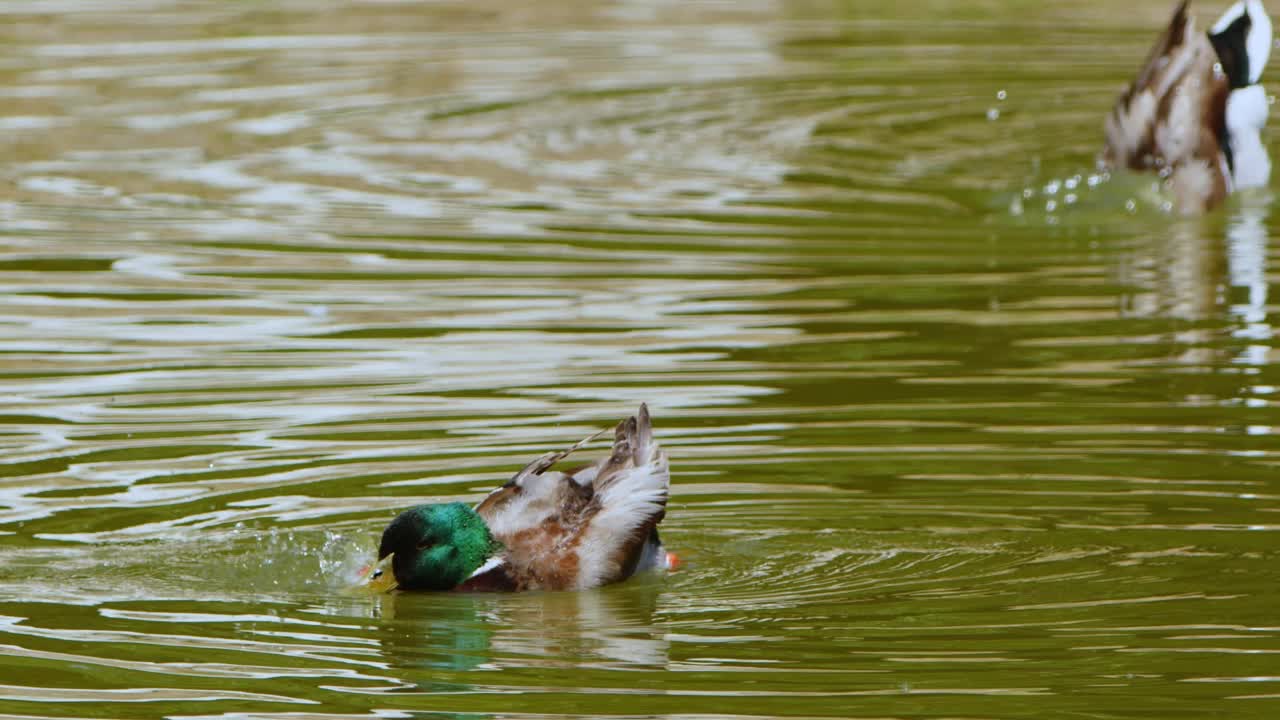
(960, 427)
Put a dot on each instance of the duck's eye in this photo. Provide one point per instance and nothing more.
(377, 574)
(424, 544)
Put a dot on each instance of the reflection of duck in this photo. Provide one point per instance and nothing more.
(445, 634)
(611, 625)
(435, 641)
(1216, 280)
(543, 530)
(1195, 110)
(1247, 285)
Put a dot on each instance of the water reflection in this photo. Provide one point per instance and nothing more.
(1178, 270)
(278, 270)
(1205, 268)
(1247, 278)
(608, 627)
(423, 634)
(611, 627)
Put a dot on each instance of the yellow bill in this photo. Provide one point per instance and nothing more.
(380, 577)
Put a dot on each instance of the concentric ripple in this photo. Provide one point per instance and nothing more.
(960, 425)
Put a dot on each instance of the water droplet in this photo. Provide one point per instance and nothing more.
(1070, 198)
(1001, 95)
(993, 114)
(1051, 206)
(1131, 206)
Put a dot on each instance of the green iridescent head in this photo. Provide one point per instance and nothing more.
(433, 547)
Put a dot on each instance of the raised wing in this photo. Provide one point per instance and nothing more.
(534, 495)
(631, 490)
(583, 528)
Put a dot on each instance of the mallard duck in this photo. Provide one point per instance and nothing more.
(543, 530)
(1195, 111)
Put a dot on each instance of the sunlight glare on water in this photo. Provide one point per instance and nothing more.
(961, 426)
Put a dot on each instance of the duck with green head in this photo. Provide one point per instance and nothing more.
(544, 529)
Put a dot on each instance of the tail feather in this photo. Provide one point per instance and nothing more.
(626, 453)
(544, 463)
(1132, 126)
(644, 436)
(1174, 37)
(630, 500)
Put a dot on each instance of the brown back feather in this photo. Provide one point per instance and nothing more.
(543, 517)
(1172, 117)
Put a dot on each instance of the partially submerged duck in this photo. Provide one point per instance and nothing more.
(1195, 111)
(544, 529)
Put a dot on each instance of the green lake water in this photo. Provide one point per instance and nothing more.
(960, 427)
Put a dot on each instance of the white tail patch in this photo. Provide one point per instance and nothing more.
(654, 557)
(1247, 110)
(1248, 107)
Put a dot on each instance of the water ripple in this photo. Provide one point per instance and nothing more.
(959, 425)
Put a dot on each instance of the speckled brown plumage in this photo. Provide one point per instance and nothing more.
(1171, 119)
(583, 528)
